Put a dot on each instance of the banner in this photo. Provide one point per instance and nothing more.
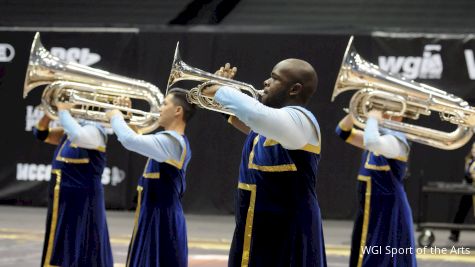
(25, 167)
(444, 62)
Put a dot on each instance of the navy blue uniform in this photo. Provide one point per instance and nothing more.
(76, 227)
(384, 217)
(278, 221)
(159, 237)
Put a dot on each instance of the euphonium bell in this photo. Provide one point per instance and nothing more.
(394, 95)
(181, 71)
(92, 91)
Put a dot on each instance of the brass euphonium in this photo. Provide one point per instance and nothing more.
(181, 71)
(92, 91)
(396, 96)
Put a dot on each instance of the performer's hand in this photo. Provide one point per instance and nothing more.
(470, 121)
(226, 71)
(125, 102)
(376, 114)
(122, 101)
(112, 113)
(64, 106)
(210, 90)
(45, 119)
(43, 123)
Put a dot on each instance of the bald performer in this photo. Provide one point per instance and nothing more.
(278, 221)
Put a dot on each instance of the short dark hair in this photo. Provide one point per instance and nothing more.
(179, 99)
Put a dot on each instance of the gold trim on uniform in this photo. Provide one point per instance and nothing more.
(99, 148)
(471, 171)
(54, 219)
(367, 203)
(136, 220)
(70, 160)
(150, 175)
(311, 148)
(344, 128)
(473, 197)
(270, 142)
(231, 119)
(473, 200)
(178, 164)
(403, 159)
(369, 166)
(351, 136)
(308, 147)
(276, 168)
(249, 222)
(41, 128)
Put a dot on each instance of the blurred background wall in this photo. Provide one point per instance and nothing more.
(429, 41)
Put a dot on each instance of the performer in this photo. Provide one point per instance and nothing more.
(278, 221)
(384, 216)
(159, 236)
(467, 201)
(76, 226)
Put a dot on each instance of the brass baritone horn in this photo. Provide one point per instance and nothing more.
(396, 96)
(92, 91)
(181, 71)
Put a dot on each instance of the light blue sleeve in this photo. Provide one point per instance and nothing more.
(387, 145)
(288, 126)
(87, 136)
(70, 125)
(162, 146)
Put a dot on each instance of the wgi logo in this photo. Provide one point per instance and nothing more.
(82, 56)
(429, 66)
(7, 52)
(470, 63)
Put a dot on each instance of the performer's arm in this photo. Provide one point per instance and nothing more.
(87, 136)
(469, 170)
(48, 135)
(227, 72)
(386, 145)
(238, 124)
(347, 132)
(288, 126)
(160, 147)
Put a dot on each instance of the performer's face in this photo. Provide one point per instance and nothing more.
(276, 88)
(167, 111)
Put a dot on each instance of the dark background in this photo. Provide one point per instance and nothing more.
(137, 39)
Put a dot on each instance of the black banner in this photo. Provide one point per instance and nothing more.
(446, 63)
(26, 161)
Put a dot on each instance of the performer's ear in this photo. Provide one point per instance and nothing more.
(295, 89)
(179, 111)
